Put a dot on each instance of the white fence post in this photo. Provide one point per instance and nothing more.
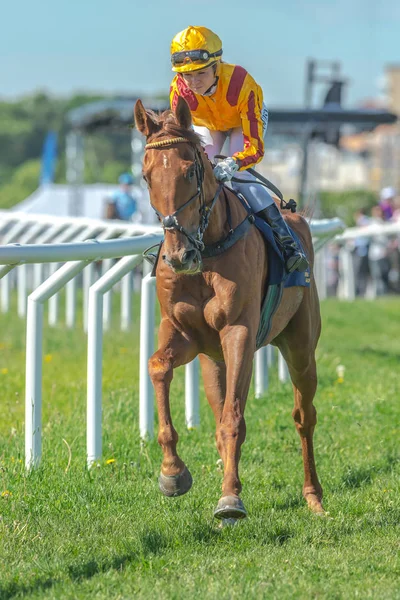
(70, 303)
(260, 372)
(283, 372)
(320, 271)
(95, 352)
(126, 302)
(5, 289)
(270, 355)
(147, 323)
(88, 279)
(107, 301)
(347, 289)
(192, 400)
(33, 386)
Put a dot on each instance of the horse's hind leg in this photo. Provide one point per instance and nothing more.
(298, 349)
(174, 350)
(305, 418)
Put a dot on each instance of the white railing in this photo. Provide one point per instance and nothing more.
(78, 257)
(347, 279)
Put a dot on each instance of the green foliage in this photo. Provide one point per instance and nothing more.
(24, 182)
(345, 204)
(24, 125)
(108, 533)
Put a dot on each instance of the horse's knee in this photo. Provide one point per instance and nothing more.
(231, 429)
(304, 419)
(160, 368)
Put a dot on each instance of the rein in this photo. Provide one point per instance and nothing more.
(170, 222)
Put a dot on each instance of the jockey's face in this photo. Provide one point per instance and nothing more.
(200, 81)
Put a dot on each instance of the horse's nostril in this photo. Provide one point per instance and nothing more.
(188, 256)
(164, 256)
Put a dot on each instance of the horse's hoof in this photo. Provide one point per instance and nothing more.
(314, 504)
(175, 485)
(230, 507)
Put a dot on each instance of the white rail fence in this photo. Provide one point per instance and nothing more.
(56, 243)
(347, 282)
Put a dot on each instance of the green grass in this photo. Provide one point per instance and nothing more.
(109, 533)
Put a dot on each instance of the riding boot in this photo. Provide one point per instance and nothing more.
(293, 256)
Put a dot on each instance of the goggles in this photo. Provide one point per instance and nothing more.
(193, 56)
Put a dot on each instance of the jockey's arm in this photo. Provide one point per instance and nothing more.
(250, 107)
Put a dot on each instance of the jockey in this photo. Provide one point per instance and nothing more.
(227, 104)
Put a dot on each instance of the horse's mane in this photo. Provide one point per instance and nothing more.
(167, 121)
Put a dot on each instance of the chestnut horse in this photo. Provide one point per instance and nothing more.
(210, 306)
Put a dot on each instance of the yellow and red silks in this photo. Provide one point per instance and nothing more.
(237, 102)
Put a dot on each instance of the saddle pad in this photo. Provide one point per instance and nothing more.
(276, 281)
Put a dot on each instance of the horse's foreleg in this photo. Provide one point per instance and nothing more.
(214, 380)
(174, 350)
(238, 347)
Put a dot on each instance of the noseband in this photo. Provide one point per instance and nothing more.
(170, 222)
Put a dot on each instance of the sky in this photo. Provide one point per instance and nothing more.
(122, 46)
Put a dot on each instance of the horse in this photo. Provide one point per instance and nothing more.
(210, 305)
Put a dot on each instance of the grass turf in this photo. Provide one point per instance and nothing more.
(108, 533)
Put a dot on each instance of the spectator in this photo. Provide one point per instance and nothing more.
(396, 209)
(387, 197)
(378, 255)
(360, 254)
(124, 202)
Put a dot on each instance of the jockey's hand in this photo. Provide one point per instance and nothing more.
(226, 169)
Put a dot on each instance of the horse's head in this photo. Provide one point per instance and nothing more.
(179, 179)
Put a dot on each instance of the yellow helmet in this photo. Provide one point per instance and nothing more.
(195, 48)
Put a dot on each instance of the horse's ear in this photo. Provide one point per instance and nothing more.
(183, 114)
(143, 121)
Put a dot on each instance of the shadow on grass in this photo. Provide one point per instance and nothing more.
(151, 543)
(12, 589)
(290, 502)
(357, 477)
(277, 537)
(378, 352)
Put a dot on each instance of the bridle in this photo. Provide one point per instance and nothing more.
(170, 222)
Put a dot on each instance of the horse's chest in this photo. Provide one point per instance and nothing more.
(218, 314)
(217, 308)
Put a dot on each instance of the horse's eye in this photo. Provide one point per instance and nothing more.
(190, 173)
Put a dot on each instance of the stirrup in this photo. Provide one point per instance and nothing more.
(296, 262)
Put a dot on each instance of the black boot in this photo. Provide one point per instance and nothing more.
(293, 256)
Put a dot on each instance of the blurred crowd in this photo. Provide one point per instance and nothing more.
(376, 259)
